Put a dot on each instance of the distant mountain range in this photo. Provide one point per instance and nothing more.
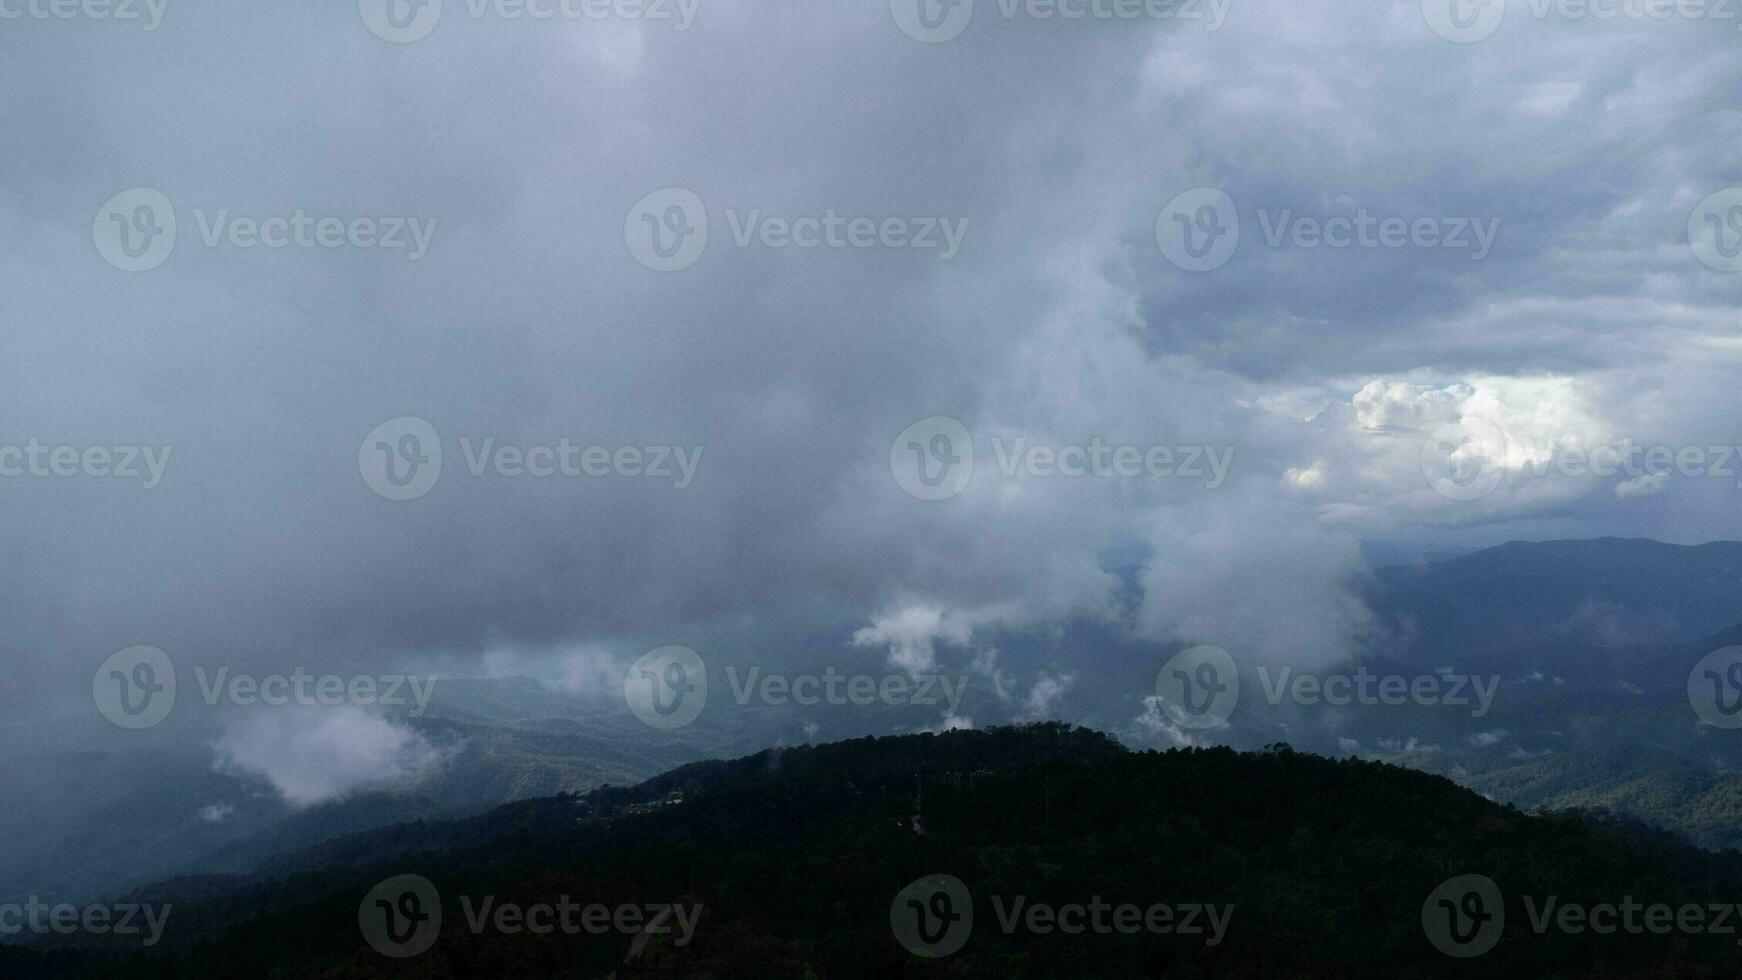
(1594, 641)
(1605, 593)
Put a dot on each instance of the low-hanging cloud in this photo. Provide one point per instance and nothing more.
(317, 755)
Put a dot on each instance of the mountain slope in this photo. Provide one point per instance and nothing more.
(797, 856)
(1606, 591)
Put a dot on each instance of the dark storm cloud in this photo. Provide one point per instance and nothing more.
(529, 321)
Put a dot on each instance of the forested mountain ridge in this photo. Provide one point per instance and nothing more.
(795, 857)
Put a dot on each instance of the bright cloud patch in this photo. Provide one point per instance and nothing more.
(317, 755)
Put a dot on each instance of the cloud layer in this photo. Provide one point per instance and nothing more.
(1323, 371)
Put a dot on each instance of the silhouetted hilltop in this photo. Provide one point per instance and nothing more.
(796, 856)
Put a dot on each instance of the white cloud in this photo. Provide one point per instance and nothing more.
(1154, 723)
(1043, 697)
(318, 754)
(911, 634)
(1644, 485)
(1259, 578)
(217, 812)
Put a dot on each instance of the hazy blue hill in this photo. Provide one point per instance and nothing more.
(1606, 592)
(143, 821)
(1580, 726)
(1654, 786)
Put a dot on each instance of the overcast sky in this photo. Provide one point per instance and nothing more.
(1023, 273)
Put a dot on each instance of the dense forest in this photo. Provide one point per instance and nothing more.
(796, 856)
